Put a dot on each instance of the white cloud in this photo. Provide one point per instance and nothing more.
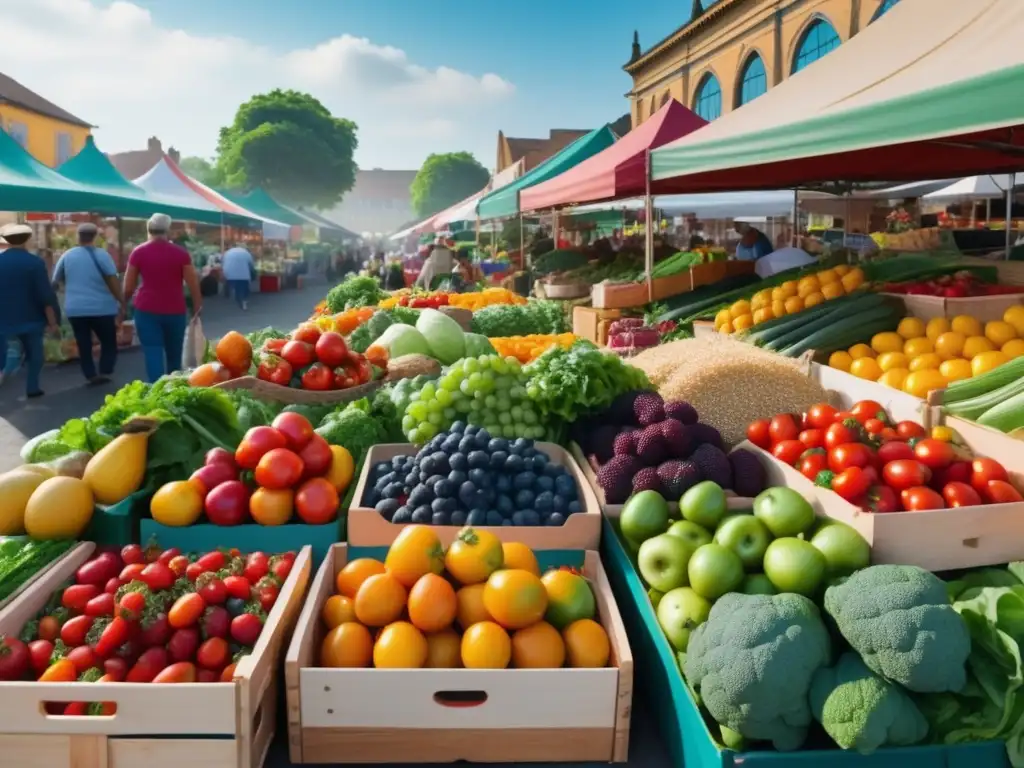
(116, 67)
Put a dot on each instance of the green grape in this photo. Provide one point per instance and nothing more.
(418, 411)
(426, 431)
(450, 414)
(504, 418)
(448, 384)
(491, 402)
(493, 428)
(444, 397)
(434, 407)
(529, 417)
(470, 365)
(510, 431)
(517, 412)
(408, 423)
(436, 419)
(466, 387)
(427, 392)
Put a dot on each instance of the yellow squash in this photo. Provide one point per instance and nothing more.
(116, 472)
(60, 508)
(16, 488)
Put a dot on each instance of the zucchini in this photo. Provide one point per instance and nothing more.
(831, 338)
(755, 334)
(802, 324)
(1007, 416)
(850, 315)
(975, 406)
(987, 382)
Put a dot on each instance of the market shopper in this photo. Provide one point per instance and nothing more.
(440, 263)
(754, 244)
(160, 310)
(93, 302)
(239, 272)
(27, 302)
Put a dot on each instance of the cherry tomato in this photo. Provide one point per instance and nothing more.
(39, 652)
(934, 454)
(168, 554)
(238, 586)
(984, 470)
(257, 442)
(811, 463)
(821, 416)
(211, 589)
(213, 654)
(757, 433)
(131, 572)
(783, 427)
(812, 438)
(157, 576)
(316, 501)
(256, 567)
(865, 410)
(267, 596)
(921, 499)
(307, 333)
(1001, 492)
(331, 349)
(850, 455)
(318, 378)
(851, 483)
(73, 631)
(274, 369)
(842, 416)
(274, 346)
(888, 435)
(279, 469)
(905, 473)
(882, 499)
(298, 354)
(77, 596)
(219, 456)
(957, 472)
(874, 426)
(213, 561)
(132, 554)
(910, 429)
(841, 433)
(894, 451)
(178, 565)
(193, 571)
(960, 495)
(296, 429)
(788, 451)
(186, 611)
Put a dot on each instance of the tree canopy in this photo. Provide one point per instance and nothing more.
(289, 144)
(201, 170)
(445, 180)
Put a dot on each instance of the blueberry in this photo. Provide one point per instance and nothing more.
(479, 460)
(574, 507)
(387, 508)
(524, 499)
(498, 444)
(479, 500)
(544, 502)
(439, 505)
(494, 518)
(458, 462)
(524, 481)
(422, 515)
(457, 427)
(456, 478)
(393, 491)
(444, 488)
(515, 464)
(521, 444)
(371, 497)
(440, 459)
(385, 466)
(504, 504)
(384, 481)
(450, 505)
(553, 470)
(411, 479)
(478, 476)
(545, 483)
(503, 484)
(471, 429)
(467, 493)
(451, 444)
(477, 517)
(427, 467)
(526, 517)
(433, 480)
(498, 459)
(403, 515)
(529, 453)
(517, 517)
(556, 519)
(420, 496)
(540, 461)
(507, 522)
(565, 486)
(467, 444)
(458, 517)
(490, 496)
(439, 518)
(559, 504)
(482, 438)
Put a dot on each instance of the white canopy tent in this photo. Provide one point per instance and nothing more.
(985, 187)
(713, 206)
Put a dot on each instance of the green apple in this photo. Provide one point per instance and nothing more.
(747, 537)
(715, 570)
(757, 584)
(784, 511)
(704, 504)
(655, 595)
(689, 532)
(644, 515)
(845, 550)
(794, 565)
(679, 613)
(663, 561)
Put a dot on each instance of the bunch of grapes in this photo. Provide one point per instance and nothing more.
(488, 391)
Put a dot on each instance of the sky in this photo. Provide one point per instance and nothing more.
(417, 76)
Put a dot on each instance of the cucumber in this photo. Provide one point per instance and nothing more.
(1007, 416)
(974, 407)
(849, 313)
(876, 320)
(985, 383)
(830, 310)
(765, 331)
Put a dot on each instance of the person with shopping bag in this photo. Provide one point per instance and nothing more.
(161, 316)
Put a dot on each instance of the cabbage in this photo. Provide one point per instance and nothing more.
(477, 344)
(445, 337)
(401, 340)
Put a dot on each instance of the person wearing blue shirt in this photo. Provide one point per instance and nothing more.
(93, 302)
(27, 302)
(753, 245)
(239, 271)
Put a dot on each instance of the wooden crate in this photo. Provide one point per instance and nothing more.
(619, 295)
(447, 715)
(366, 528)
(587, 323)
(80, 553)
(983, 308)
(711, 272)
(664, 287)
(988, 442)
(938, 540)
(208, 725)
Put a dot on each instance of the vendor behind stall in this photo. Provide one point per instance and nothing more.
(754, 244)
(439, 264)
(467, 270)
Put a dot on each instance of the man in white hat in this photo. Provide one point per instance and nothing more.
(440, 263)
(92, 301)
(27, 302)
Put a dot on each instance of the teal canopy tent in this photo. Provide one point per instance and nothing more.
(261, 203)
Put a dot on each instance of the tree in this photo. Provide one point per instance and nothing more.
(446, 179)
(201, 170)
(289, 144)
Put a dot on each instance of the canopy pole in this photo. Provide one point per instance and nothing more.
(522, 244)
(796, 218)
(1009, 214)
(478, 231)
(649, 222)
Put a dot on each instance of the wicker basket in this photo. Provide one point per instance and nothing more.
(566, 290)
(264, 390)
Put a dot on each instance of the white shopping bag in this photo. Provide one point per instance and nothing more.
(195, 344)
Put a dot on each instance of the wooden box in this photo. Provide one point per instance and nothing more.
(582, 530)
(79, 553)
(938, 540)
(220, 725)
(982, 308)
(664, 287)
(448, 715)
(990, 443)
(705, 274)
(587, 323)
(619, 295)
(848, 389)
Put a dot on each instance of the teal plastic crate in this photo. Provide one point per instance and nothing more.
(686, 735)
(204, 537)
(118, 524)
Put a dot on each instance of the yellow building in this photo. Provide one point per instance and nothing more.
(49, 133)
(733, 51)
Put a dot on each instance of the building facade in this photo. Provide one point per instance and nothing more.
(138, 162)
(49, 133)
(378, 203)
(733, 51)
(533, 152)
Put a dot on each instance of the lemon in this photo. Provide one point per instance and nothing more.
(999, 332)
(936, 327)
(956, 369)
(742, 322)
(762, 314)
(794, 304)
(1014, 348)
(722, 318)
(911, 328)
(832, 290)
(986, 361)
(827, 277)
(807, 286)
(858, 351)
(926, 362)
(1015, 316)
(894, 377)
(889, 360)
(966, 325)
(950, 345)
(813, 299)
(840, 360)
(977, 345)
(763, 298)
(887, 342)
(784, 291)
(842, 269)
(853, 279)
(866, 368)
(725, 328)
(920, 383)
(916, 346)
(778, 307)
(740, 308)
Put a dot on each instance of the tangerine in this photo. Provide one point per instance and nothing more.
(470, 606)
(352, 576)
(485, 645)
(347, 645)
(415, 551)
(444, 649)
(569, 598)
(337, 610)
(586, 644)
(539, 646)
(473, 556)
(432, 603)
(515, 598)
(518, 555)
(380, 600)
(400, 646)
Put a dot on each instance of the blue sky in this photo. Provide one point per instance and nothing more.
(552, 63)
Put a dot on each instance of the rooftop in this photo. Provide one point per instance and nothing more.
(14, 93)
(135, 163)
(700, 17)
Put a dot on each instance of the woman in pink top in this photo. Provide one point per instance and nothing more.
(160, 311)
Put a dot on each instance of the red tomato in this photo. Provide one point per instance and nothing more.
(267, 595)
(274, 346)
(882, 499)
(39, 652)
(934, 454)
(116, 667)
(316, 501)
(238, 586)
(851, 483)
(865, 410)
(1001, 492)
(888, 435)
(331, 349)
(227, 504)
(984, 470)
(874, 426)
(905, 473)
(211, 589)
(894, 451)
(308, 333)
(788, 451)
(783, 427)
(180, 672)
(849, 455)
(842, 416)
(812, 438)
(213, 561)
(316, 457)
(208, 477)
(279, 469)
(131, 572)
(14, 659)
(841, 433)
(132, 554)
(213, 654)
(157, 577)
(193, 571)
(345, 377)
(908, 430)
(73, 631)
(280, 567)
(167, 555)
(77, 596)
(275, 369)
(219, 456)
(148, 665)
(821, 416)
(296, 429)
(186, 611)
(957, 472)
(318, 378)
(101, 605)
(179, 565)
(245, 629)
(757, 433)
(256, 567)
(298, 354)
(921, 499)
(258, 441)
(960, 495)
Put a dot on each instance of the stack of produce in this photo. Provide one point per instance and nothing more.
(21, 558)
(960, 285)
(527, 348)
(630, 334)
(434, 334)
(533, 317)
(148, 617)
(344, 322)
(467, 476)
(676, 264)
(559, 260)
(480, 605)
(994, 398)
(623, 267)
(355, 291)
(477, 300)
(642, 443)
(920, 356)
(417, 300)
(881, 466)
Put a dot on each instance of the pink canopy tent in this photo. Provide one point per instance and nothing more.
(620, 171)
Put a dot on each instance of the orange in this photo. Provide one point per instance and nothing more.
(444, 649)
(415, 551)
(570, 598)
(400, 646)
(538, 647)
(485, 645)
(352, 576)
(209, 374)
(269, 507)
(337, 610)
(586, 644)
(515, 598)
(432, 603)
(471, 609)
(235, 352)
(473, 556)
(347, 645)
(519, 556)
(380, 600)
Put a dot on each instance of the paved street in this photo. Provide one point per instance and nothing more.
(67, 396)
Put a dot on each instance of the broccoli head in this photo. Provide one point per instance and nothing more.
(752, 662)
(863, 711)
(899, 619)
(353, 428)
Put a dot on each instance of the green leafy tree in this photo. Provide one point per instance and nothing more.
(201, 170)
(445, 180)
(289, 144)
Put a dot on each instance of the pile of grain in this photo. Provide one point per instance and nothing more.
(729, 383)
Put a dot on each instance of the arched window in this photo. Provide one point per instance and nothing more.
(883, 9)
(708, 101)
(753, 80)
(818, 39)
